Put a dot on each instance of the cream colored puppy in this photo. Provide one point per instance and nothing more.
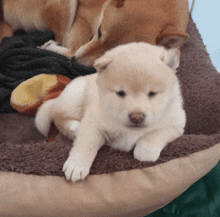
(133, 101)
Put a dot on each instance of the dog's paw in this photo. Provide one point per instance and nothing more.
(146, 153)
(50, 45)
(55, 47)
(75, 168)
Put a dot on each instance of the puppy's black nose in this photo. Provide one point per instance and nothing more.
(137, 118)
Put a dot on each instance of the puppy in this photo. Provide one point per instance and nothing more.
(133, 101)
(107, 22)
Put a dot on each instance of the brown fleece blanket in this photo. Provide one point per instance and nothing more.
(24, 150)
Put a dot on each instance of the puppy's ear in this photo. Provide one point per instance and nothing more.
(170, 37)
(171, 58)
(102, 63)
(117, 3)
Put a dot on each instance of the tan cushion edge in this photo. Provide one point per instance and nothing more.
(128, 193)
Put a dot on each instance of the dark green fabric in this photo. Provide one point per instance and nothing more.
(20, 60)
(202, 199)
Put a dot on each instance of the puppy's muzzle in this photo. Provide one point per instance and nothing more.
(137, 118)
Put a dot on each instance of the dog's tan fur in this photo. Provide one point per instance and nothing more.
(74, 23)
(134, 101)
(42, 15)
(160, 22)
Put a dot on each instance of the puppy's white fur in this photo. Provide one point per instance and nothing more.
(133, 80)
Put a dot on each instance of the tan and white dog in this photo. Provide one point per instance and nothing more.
(133, 102)
(107, 22)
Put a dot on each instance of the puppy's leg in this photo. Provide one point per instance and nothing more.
(88, 142)
(67, 127)
(5, 30)
(68, 107)
(151, 145)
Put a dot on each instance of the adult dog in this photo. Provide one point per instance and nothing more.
(107, 22)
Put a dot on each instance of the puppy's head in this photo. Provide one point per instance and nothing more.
(135, 83)
(117, 28)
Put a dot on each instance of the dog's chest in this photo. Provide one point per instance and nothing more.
(124, 141)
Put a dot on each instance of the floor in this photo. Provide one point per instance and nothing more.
(206, 15)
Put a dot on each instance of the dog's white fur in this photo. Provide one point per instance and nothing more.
(135, 79)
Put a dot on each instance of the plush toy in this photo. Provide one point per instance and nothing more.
(30, 94)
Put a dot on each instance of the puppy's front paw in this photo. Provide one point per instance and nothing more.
(75, 168)
(146, 153)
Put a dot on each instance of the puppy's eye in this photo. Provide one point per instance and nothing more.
(152, 94)
(99, 32)
(121, 93)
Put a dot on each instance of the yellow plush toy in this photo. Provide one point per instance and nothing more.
(30, 94)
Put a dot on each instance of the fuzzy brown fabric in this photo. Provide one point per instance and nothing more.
(24, 150)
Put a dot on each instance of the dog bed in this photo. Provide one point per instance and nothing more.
(32, 182)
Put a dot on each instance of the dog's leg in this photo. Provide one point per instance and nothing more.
(88, 142)
(68, 128)
(5, 30)
(68, 107)
(80, 34)
(150, 147)
(58, 17)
